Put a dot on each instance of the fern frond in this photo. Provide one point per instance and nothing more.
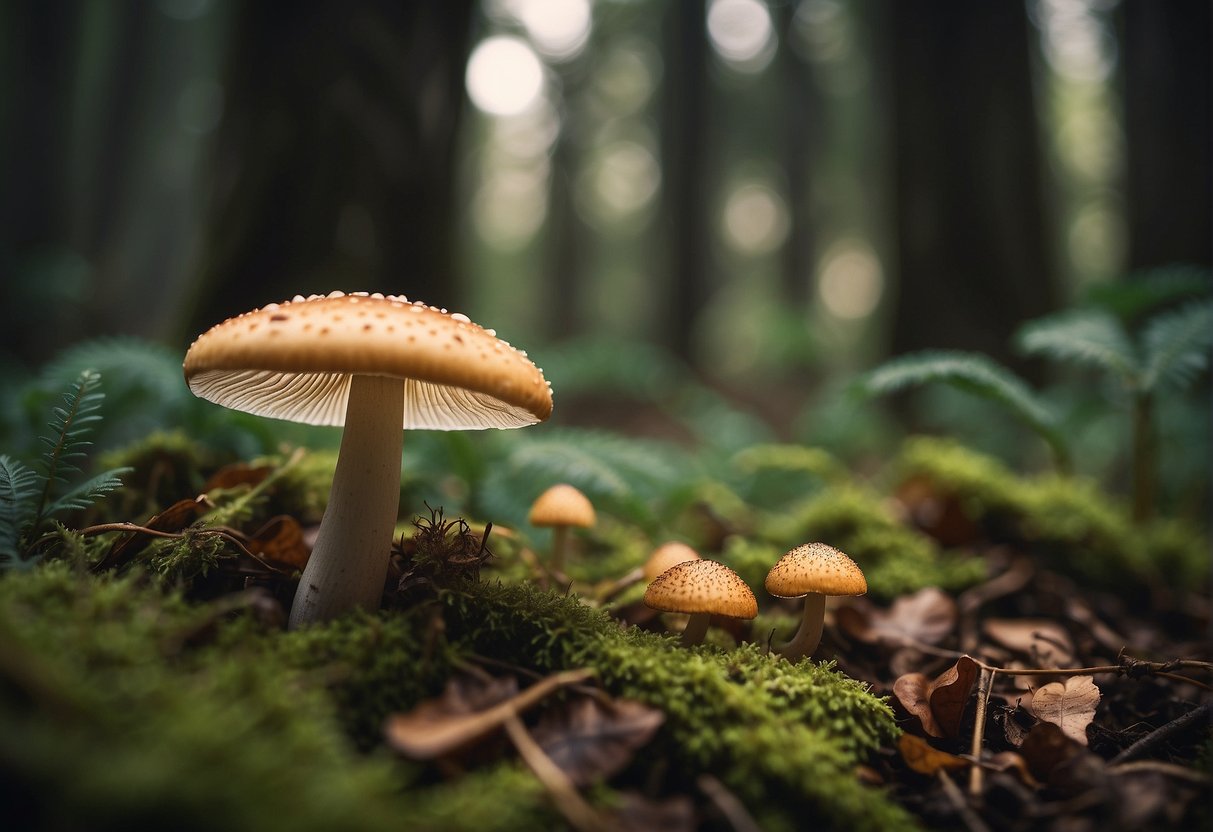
(69, 424)
(1089, 337)
(973, 373)
(1176, 346)
(80, 497)
(1147, 291)
(18, 489)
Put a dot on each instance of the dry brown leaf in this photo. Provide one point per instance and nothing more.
(637, 813)
(593, 740)
(926, 617)
(1069, 705)
(1045, 747)
(938, 704)
(1045, 642)
(1014, 762)
(173, 519)
(469, 710)
(238, 473)
(280, 541)
(923, 758)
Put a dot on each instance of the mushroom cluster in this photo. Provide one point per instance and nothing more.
(376, 365)
(704, 588)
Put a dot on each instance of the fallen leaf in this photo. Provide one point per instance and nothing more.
(280, 541)
(926, 617)
(1045, 642)
(592, 740)
(173, 519)
(1015, 763)
(468, 710)
(938, 704)
(637, 813)
(1045, 747)
(238, 473)
(924, 758)
(1069, 705)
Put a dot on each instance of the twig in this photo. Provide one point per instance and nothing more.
(1159, 767)
(1161, 734)
(730, 806)
(569, 802)
(227, 534)
(976, 775)
(957, 799)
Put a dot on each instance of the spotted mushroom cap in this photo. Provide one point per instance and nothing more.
(815, 567)
(294, 361)
(562, 505)
(700, 586)
(667, 555)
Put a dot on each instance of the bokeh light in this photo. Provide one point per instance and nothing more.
(504, 76)
(559, 29)
(755, 218)
(741, 33)
(851, 281)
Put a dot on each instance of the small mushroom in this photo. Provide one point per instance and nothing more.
(813, 571)
(375, 365)
(561, 508)
(667, 555)
(701, 588)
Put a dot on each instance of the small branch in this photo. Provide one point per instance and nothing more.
(1159, 767)
(956, 797)
(976, 775)
(569, 802)
(730, 806)
(1163, 733)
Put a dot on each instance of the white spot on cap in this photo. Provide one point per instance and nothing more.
(459, 316)
(336, 294)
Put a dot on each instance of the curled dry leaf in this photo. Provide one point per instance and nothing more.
(939, 704)
(280, 541)
(237, 473)
(926, 617)
(1069, 705)
(468, 710)
(1045, 748)
(923, 758)
(592, 739)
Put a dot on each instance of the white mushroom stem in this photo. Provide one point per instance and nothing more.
(696, 629)
(809, 635)
(349, 562)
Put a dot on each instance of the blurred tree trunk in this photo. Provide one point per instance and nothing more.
(565, 232)
(686, 223)
(1166, 66)
(334, 163)
(800, 104)
(972, 253)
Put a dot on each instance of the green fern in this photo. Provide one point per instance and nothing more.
(1175, 346)
(973, 373)
(1088, 336)
(1149, 291)
(30, 498)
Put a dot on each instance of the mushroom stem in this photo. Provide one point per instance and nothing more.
(560, 541)
(696, 629)
(809, 635)
(349, 562)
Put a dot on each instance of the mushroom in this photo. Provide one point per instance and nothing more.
(813, 571)
(561, 507)
(702, 588)
(667, 555)
(375, 365)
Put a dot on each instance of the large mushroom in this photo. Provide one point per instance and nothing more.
(375, 365)
(813, 571)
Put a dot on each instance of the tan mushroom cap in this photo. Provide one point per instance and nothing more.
(562, 505)
(667, 555)
(295, 360)
(702, 586)
(815, 567)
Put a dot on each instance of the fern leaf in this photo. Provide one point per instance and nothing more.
(18, 489)
(973, 373)
(1089, 337)
(1176, 346)
(83, 495)
(69, 424)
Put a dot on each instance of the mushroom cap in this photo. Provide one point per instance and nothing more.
(815, 567)
(294, 361)
(667, 555)
(562, 505)
(702, 586)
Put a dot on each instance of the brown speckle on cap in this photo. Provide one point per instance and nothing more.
(815, 567)
(702, 586)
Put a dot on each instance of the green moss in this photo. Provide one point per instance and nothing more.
(1082, 530)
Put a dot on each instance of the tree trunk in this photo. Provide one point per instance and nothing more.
(972, 260)
(335, 160)
(1169, 187)
(685, 143)
(800, 107)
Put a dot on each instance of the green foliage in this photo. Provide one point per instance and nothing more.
(30, 498)
(1082, 531)
(1175, 346)
(973, 373)
(1085, 336)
